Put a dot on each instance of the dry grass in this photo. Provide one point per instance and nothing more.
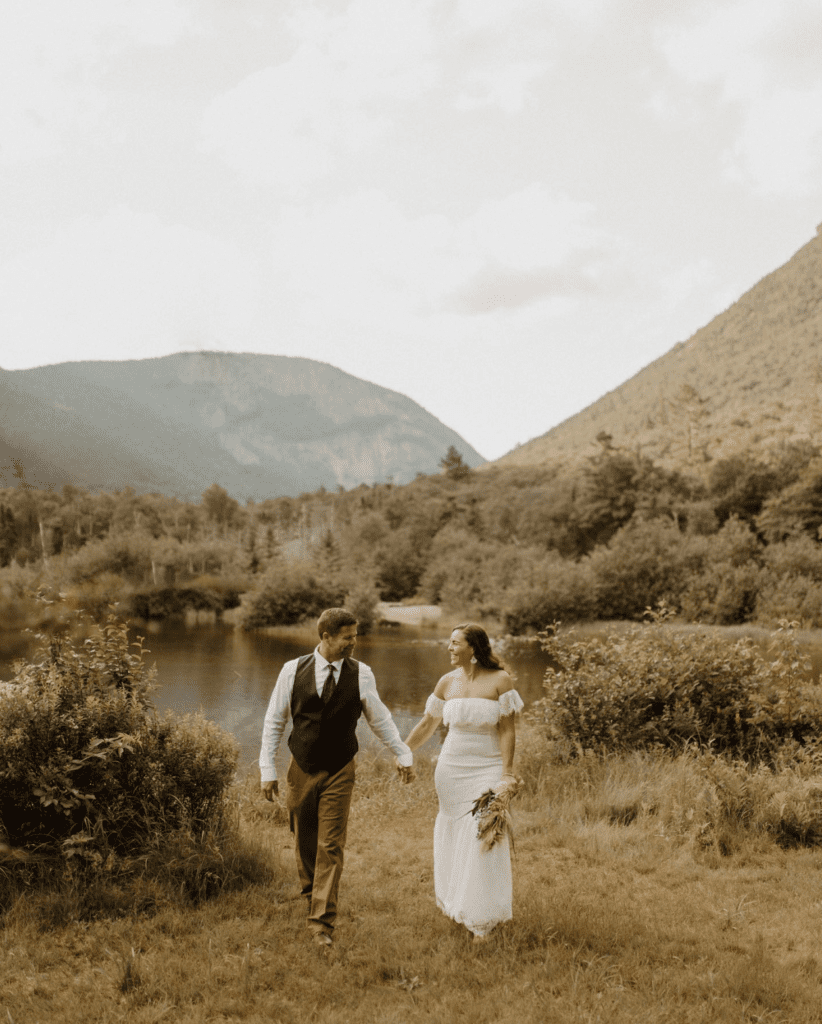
(621, 914)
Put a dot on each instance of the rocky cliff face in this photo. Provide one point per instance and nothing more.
(750, 379)
(259, 426)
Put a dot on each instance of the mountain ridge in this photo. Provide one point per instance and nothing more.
(258, 425)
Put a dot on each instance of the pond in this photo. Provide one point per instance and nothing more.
(229, 674)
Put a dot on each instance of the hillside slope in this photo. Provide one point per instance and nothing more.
(260, 426)
(750, 379)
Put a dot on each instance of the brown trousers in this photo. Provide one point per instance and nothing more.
(318, 805)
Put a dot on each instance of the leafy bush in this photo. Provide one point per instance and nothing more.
(87, 768)
(656, 685)
(723, 594)
(567, 592)
(456, 575)
(124, 555)
(287, 598)
(795, 510)
(791, 597)
(170, 601)
(640, 566)
(95, 596)
(798, 556)
(362, 600)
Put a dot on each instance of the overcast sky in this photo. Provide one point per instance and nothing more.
(501, 208)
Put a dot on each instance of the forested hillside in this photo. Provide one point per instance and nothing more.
(519, 546)
(751, 379)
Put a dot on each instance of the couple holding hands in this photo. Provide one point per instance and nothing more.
(325, 693)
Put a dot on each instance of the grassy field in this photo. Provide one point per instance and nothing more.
(625, 910)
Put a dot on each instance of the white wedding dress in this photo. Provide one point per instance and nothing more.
(472, 885)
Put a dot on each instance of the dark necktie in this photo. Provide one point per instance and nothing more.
(328, 685)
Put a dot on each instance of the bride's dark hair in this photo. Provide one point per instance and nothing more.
(479, 643)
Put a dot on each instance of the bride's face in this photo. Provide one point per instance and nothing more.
(459, 649)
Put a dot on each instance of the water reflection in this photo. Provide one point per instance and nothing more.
(230, 674)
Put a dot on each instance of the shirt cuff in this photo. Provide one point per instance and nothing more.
(267, 775)
(405, 760)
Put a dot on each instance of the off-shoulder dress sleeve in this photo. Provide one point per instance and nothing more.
(510, 702)
(434, 706)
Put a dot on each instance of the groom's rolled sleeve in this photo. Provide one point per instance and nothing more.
(379, 718)
(276, 719)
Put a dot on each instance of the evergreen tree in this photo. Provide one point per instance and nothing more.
(453, 466)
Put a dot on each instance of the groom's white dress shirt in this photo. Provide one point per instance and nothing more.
(279, 710)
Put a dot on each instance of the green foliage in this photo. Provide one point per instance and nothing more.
(125, 555)
(797, 509)
(219, 506)
(88, 770)
(167, 602)
(657, 686)
(567, 590)
(641, 566)
(362, 600)
(453, 466)
(796, 598)
(629, 534)
(399, 567)
(740, 486)
(724, 576)
(722, 594)
(289, 597)
(782, 800)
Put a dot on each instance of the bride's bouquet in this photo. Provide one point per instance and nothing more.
(493, 816)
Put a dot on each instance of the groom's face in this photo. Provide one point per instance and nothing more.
(341, 645)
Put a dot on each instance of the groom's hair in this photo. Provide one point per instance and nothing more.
(333, 620)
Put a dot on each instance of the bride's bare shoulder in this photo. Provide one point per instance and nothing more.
(503, 682)
(442, 686)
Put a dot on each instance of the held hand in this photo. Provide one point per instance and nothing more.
(270, 790)
(508, 782)
(406, 774)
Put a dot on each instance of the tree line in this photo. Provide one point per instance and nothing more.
(524, 546)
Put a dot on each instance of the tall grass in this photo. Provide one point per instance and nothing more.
(624, 911)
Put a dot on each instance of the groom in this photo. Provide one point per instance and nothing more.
(324, 693)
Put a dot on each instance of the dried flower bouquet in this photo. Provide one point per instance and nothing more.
(492, 814)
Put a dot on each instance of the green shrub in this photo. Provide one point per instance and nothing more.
(790, 597)
(656, 685)
(289, 597)
(797, 556)
(640, 566)
(362, 600)
(723, 593)
(567, 592)
(167, 602)
(87, 768)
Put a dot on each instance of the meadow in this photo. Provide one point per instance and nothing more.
(627, 908)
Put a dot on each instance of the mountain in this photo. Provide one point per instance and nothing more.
(751, 379)
(259, 426)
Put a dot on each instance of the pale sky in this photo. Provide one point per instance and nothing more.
(501, 208)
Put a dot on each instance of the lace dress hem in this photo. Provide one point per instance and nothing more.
(475, 927)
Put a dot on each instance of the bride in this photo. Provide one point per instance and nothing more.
(477, 701)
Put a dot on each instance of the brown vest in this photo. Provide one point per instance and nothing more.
(324, 736)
